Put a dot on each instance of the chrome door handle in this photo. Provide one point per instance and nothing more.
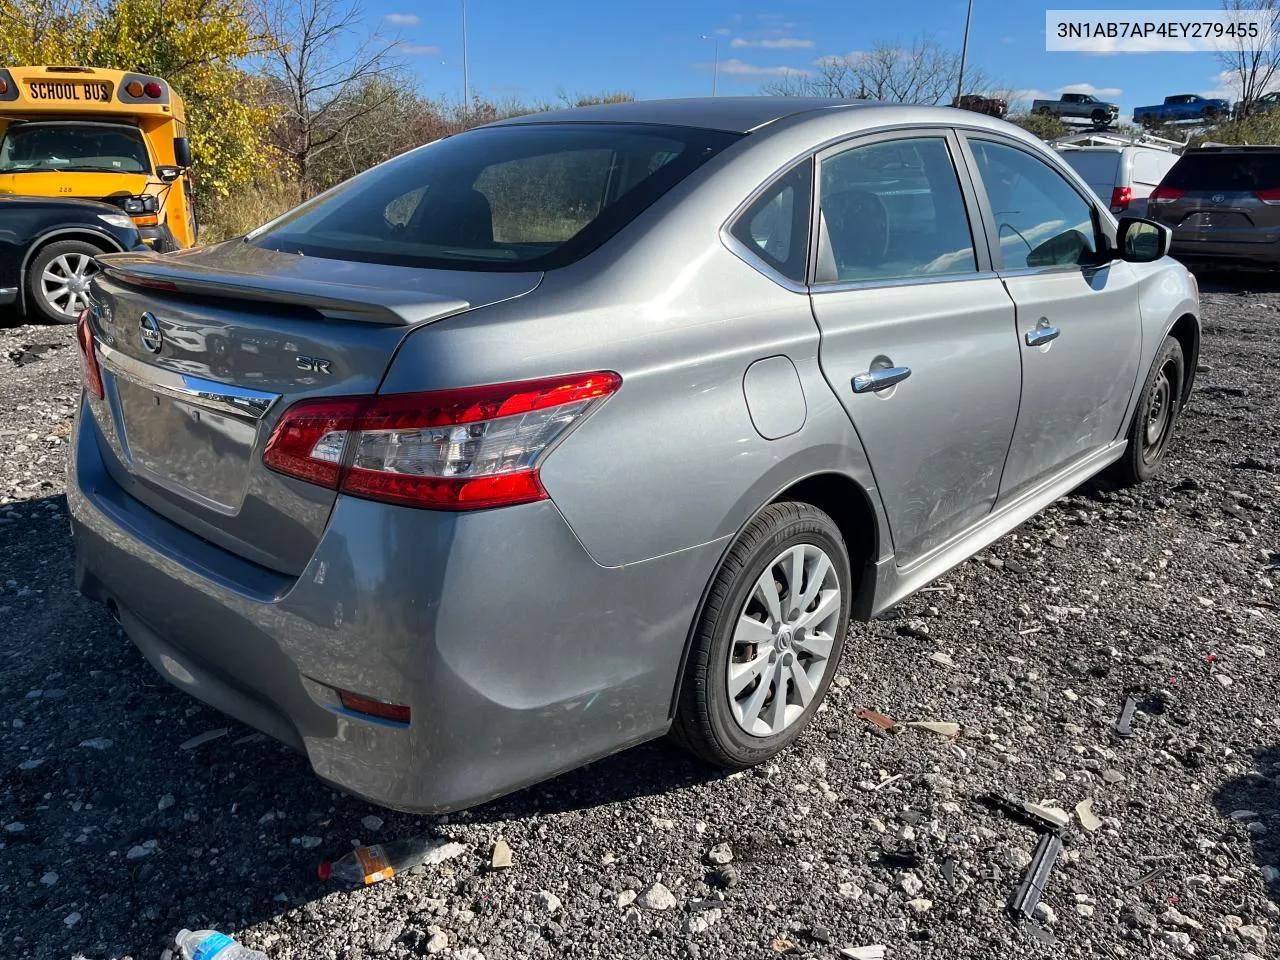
(880, 379)
(1042, 335)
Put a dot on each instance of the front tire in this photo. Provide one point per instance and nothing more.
(768, 639)
(58, 280)
(1153, 421)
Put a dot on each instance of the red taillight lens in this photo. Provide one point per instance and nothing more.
(461, 449)
(397, 712)
(1121, 197)
(1163, 194)
(152, 90)
(4, 86)
(89, 371)
(1269, 196)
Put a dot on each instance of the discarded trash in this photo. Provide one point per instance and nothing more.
(501, 859)
(873, 952)
(885, 782)
(202, 739)
(941, 729)
(879, 719)
(1031, 889)
(1044, 819)
(382, 861)
(1124, 726)
(942, 658)
(202, 944)
(1085, 814)
(1148, 877)
(1047, 814)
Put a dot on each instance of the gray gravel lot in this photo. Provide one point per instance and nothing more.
(114, 836)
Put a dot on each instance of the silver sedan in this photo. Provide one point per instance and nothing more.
(582, 428)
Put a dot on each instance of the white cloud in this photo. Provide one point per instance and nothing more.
(1226, 86)
(1103, 92)
(777, 43)
(418, 49)
(738, 67)
(403, 19)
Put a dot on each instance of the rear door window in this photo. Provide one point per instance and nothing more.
(894, 210)
(1227, 172)
(775, 227)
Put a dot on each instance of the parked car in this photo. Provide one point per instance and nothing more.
(582, 440)
(47, 251)
(1123, 177)
(1184, 106)
(991, 106)
(1223, 206)
(1263, 104)
(1078, 105)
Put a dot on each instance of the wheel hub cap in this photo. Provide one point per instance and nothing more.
(782, 641)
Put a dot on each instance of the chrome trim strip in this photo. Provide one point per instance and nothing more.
(840, 286)
(221, 397)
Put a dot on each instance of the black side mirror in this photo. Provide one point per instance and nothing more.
(168, 174)
(182, 151)
(1142, 241)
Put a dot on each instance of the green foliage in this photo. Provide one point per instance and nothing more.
(1044, 126)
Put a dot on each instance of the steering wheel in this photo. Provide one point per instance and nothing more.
(858, 226)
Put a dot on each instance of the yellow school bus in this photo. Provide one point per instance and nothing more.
(104, 135)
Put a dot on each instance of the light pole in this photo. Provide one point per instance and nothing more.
(466, 79)
(715, 70)
(964, 52)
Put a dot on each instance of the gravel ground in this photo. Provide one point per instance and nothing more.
(115, 836)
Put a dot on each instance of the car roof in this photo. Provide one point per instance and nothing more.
(729, 114)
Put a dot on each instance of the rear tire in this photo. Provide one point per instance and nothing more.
(1153, 421)
(739, 643)
(1099, 118)
(57, 280)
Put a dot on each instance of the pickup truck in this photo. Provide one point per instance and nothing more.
(1082, 105)
(991, 106)
(1183, 106)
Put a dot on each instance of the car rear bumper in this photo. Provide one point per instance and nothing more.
(1225, 255)
(518, 655)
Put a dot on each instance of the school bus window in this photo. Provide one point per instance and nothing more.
(73, 148)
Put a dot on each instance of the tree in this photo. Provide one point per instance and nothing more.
(1252, 62)
(924, 72)
(196, 45)
(325, 74)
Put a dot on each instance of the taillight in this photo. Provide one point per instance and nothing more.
(133, 88)
(1163, 194)
(1121, 197)
(464, 449)
(4, 86)
(1271, 196)
(152, 90)
(89, 372)
(395, 712)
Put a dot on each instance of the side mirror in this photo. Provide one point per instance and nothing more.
(168, 174)
(182, 151)
(1142, 241)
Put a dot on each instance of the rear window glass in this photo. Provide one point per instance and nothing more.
(523, 197)
(1225, 171)
(1096, 168)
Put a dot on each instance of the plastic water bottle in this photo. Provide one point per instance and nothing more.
(382, 861)
(208, 944)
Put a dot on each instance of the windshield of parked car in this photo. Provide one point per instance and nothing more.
(62, 147)
(1225, 171)
(523, 197)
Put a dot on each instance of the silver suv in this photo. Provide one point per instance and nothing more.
(1223, 205)
(567, 432)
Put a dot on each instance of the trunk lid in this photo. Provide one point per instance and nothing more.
(202, 351)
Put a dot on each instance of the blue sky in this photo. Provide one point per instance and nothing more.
(655, 49)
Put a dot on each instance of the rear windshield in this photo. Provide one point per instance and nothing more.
(73, 148)
(1096, 168)
(523, 197)
(1226, 172)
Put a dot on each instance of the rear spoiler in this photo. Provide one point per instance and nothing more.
(336, 301)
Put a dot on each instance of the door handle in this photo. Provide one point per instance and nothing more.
(880, 379)
(1042, 335)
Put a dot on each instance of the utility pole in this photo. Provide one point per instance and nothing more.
(466, 78)
(964, 52)
(715, 70)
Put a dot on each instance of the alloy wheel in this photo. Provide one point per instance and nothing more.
(782, 641)
(64, 284)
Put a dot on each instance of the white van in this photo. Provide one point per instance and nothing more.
(1121, 176)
